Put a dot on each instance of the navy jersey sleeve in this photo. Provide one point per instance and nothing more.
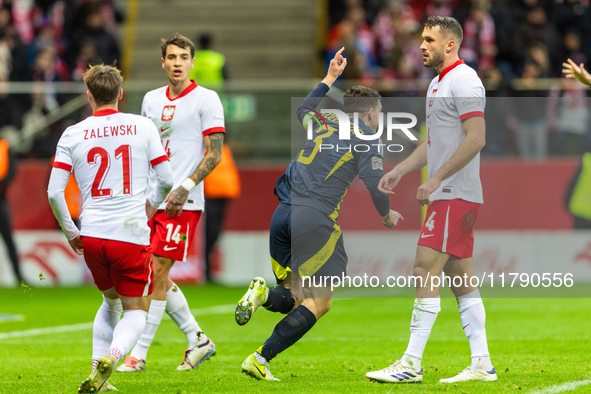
(309, 105)
(371, 169)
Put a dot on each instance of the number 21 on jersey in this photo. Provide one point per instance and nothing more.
(97, 154)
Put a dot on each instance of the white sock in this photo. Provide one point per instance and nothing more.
(260, 359)
(127, 332)
(140, 350)
(473, 318)
(105, 321)
(178, 310)
(423, 317)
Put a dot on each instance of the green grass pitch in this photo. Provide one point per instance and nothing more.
(534, 343)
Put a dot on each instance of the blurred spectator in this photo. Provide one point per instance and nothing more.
(539, 53)
(478, 47)
(5, 18)
(387, 25)
(20, 66)
(572, 14)
(5, 57)
(407, 59)
(530, 127)
(48, 67)
(10, 111)
(86, 58)
(94, 33)
(75, 16)
(355, 35)
(438, 7)
(573, 48)
(210, 68)
(568, 113)
(35, 125)
(498, 89)
(7, 172)
(537, 28)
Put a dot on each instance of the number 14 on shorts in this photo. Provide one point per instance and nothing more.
(175, 235)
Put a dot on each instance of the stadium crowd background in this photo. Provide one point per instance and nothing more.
(517, 47)
(51, 41)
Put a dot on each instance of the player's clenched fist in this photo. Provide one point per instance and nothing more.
(391, 219)
(426, 189)
(175, 201)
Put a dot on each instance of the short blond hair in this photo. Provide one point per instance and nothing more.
(104, 83)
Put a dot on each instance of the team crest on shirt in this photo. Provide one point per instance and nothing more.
(432, 97)
(376, 163)
(168, 113)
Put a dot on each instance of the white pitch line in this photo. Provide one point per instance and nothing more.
(46, 330)
(212, 310)
(564, 387)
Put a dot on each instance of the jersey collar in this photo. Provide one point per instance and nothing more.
(449, 68)
(188, 90)
(104, 112)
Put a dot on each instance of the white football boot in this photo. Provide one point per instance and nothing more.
(472, 374)
(399, 372)
(194, 357)
(132, 364)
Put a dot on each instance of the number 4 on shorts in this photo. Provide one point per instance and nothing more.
(430, 222)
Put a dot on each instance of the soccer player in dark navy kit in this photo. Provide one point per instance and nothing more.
(305, 240)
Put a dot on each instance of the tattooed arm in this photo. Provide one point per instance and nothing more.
(177, 198)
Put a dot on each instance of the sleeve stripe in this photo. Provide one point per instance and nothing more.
(321, 117)
(474, 114)
(158, 160)
(214, 130)
(63, 166)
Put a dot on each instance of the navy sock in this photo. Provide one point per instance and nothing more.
(279, 300)
(287, 332)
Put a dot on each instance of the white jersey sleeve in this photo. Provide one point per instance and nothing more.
(57, 201)
(469, 96)
(212, 116)
(63, 156)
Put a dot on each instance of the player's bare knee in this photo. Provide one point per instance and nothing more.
(420, 271)
(111, 293)
(318, 306)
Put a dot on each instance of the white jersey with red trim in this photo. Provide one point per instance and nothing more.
(110, 154)
(454, 95)
(183, 122)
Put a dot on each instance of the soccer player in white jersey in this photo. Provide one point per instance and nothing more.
(110, 154)
(191, 120)
(455, 136)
